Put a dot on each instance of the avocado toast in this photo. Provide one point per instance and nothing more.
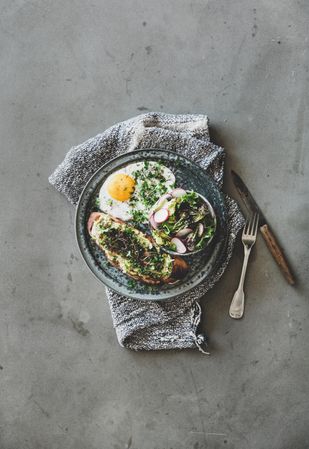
(134, 252)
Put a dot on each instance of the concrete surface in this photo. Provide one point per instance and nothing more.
(70, 69)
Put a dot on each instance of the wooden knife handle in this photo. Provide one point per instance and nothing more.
(277, 253)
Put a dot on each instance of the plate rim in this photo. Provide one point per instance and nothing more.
(168, 295)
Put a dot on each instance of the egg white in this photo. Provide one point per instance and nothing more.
(123, 209)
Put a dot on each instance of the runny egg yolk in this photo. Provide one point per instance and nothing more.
(121, 187)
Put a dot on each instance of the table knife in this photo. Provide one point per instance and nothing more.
(265, 229)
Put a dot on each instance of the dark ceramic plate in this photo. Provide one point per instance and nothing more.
(188, 176)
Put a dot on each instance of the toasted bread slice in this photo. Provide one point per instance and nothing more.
(119, 240)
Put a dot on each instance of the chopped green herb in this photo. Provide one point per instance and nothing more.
(131, 283)
(139, 216)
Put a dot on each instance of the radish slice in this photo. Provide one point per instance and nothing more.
(183, 232)
(166, 196)
(161, 215)
(180, 247)
(200, 230)
(152, 222)
(92, 219)
(160, 203)
(178, 192)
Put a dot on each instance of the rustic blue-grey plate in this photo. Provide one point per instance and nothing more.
(189, 176)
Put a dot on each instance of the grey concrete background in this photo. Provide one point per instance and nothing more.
(70, 69)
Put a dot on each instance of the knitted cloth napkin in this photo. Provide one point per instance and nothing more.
(149, 325)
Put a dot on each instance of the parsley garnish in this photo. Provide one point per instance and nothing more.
(139, 216)
(131, 283)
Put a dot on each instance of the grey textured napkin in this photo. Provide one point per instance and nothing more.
(142, 325)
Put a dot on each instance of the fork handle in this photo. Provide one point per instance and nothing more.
(238, 302)
(277, 253)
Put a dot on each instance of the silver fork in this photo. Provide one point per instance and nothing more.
(248, 239)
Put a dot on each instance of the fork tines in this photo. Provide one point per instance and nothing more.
(251, 225)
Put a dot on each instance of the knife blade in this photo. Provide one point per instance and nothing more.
(268, 235)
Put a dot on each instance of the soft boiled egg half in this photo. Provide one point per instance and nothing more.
(129, 193)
